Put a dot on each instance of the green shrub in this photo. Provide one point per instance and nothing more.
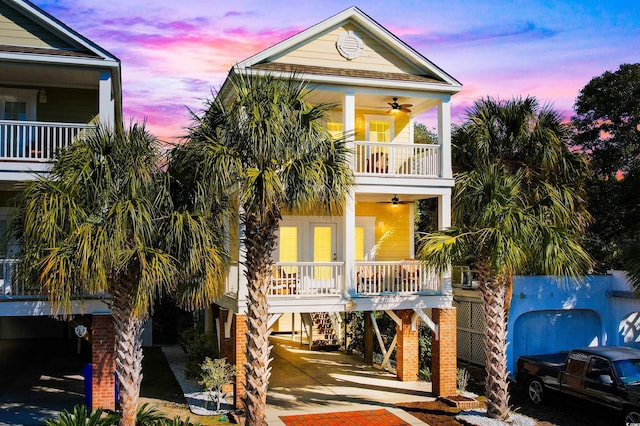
(462, 379)
(197, 347)
(215, 374)
(147, 416)
(82, 417)
(425, 374)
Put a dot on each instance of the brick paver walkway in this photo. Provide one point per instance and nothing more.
(346, 418)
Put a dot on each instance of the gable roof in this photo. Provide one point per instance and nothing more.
(424, 71)
(69, 45)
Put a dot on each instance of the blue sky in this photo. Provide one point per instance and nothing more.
(174, 53)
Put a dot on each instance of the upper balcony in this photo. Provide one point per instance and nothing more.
(397, 160)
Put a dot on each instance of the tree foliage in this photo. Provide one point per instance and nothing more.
(517, 208)
(607, 125)
(261, 151)
(607, 121)
(103, 223)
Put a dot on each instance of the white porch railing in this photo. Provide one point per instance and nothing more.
(10, 286)
(392, 159)
(407, 276)
(307, 279)
(35, 140)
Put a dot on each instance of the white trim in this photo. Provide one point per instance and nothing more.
(419, 313)
(57, 59)
(227, 325)
(368, 118)
(372, 83)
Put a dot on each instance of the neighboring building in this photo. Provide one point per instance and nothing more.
(54, 84)
(549, 316)
(362, 260)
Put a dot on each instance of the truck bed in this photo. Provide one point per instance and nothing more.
(549, 360)
(546, 367)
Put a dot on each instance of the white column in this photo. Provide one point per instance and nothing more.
(106, 103)
(444, 210)
(349, 126)
(444, 137)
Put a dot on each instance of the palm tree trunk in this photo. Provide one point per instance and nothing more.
(260, 241)
(495, 340)
(128, 356)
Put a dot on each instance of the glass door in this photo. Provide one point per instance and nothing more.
(324, 249)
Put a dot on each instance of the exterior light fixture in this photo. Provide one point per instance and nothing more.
(80, 330)
(395, 201)
(42, 96)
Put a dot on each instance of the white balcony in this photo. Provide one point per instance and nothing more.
(33, 141)
(314, 279)
(392, 159)
(307, 279)
(400, 277)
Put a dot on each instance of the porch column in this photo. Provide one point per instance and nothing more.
(444, 137)
(349, 112)
(368, 338)
(444, 210)
(106, 103)
(233, 348)
(103, 361)
(444, 352)
(407, 351)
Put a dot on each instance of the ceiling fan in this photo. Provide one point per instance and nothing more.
(395, 201)
(397, 107)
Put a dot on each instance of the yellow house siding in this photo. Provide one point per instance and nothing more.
(393, 229)
(402, 128)
(17, 30)
(322, 52)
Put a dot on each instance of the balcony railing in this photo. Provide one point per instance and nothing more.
(406, 276)
(34, 140)
(10, 286)
(305, 279)
(392, 159)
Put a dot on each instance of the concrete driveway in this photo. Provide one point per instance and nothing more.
(38, 379)
(306, 382)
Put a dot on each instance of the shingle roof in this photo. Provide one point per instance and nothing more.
(341, 72)
(45, 51)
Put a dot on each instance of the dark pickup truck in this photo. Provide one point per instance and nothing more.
(604, 375)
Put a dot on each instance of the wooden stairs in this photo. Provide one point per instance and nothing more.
(321, 332)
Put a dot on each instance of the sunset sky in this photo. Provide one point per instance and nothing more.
(174, 53)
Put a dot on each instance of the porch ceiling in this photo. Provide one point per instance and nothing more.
(386, 198)
(50, 76)
(378, 101)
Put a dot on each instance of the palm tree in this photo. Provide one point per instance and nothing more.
(265, 151)
(104, 222)
(517, 209)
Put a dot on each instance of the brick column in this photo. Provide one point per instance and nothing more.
(103, 356)
(407, 351)
(234, 350)
(444, 353)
